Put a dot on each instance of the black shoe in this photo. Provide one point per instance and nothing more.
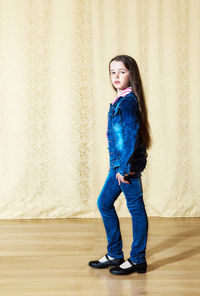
(112, 262)
(139, 268)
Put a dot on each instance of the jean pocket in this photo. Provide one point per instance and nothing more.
(132, 180)
(132, 177)
(133, 189)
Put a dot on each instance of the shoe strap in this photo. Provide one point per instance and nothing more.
(107, 257)
(129, 260)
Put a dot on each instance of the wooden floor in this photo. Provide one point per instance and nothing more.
(50, 258)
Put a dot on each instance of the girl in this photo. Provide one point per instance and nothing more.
(128, 136)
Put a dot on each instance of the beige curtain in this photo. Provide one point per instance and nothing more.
(55, 94)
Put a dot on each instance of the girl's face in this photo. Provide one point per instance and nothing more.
(119, 75)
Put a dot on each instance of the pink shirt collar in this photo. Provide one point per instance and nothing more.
(123, 93)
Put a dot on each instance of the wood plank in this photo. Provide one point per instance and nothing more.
(50, 258)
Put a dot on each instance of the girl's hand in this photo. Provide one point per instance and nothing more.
(121, 179)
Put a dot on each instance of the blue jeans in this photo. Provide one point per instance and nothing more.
(134, 199)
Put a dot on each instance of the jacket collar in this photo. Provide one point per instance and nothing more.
(123, 94)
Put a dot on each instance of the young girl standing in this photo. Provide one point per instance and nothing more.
(128, 136)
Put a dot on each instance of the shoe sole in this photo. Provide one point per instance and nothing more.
(128, 272)
(104, 266)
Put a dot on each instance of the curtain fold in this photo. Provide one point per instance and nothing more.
(55, 94)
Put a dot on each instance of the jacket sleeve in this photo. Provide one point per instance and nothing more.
(130, 126)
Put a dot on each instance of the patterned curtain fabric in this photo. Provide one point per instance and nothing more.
(55, 94)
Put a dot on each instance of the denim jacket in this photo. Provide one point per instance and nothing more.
(126, 150)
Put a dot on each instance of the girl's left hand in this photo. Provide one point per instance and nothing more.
(121, 179)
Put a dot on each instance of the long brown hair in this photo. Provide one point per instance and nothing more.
(136, 84)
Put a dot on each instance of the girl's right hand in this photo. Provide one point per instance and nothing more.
(121, 179)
